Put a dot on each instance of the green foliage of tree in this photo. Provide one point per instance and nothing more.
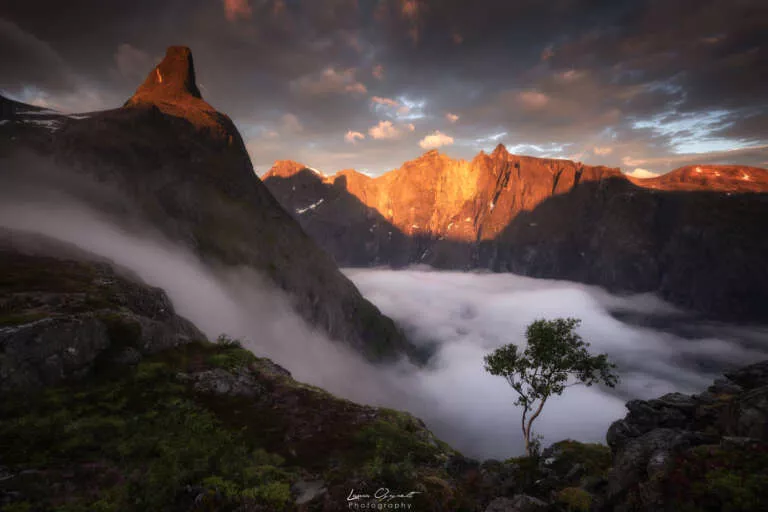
(555, 358)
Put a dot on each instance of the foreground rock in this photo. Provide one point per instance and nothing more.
(60, 317)
(707, 451)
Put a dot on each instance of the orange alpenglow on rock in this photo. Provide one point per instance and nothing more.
(171, 87)
(719, 178)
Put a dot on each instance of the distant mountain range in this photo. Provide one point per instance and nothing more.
(182, 168)
(694, 235)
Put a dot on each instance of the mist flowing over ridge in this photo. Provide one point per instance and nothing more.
(182, 168)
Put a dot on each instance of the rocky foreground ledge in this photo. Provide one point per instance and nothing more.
(110, 401)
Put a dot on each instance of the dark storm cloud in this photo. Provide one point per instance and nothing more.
(602, 81)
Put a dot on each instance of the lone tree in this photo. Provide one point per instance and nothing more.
(555, 354)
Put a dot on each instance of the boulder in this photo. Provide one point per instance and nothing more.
(640, 455)
(222, 382)
(750, 377)
(753, 414)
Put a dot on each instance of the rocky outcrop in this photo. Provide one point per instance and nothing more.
(60, 317)
(692, 235)
(171, 161)
(661, 440)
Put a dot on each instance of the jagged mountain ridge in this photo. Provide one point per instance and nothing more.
(466, 201)
(692, 235)
(182, 167)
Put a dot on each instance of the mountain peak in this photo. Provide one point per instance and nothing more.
(172, 80)
(500, 150)
(284, 169)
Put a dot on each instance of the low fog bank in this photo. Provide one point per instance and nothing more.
(465, 314)
(471, 314)
(233, 301)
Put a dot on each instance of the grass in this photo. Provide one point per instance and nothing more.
(148, 437)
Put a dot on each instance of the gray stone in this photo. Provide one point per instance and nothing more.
(750, 377)
(753, 414)
(619, 432)
(725, 386)
(631, 463)
(518, 503)
(577, 471)
(222, 382)
(128, 356)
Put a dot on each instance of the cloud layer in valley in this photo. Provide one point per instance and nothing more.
(602, 82)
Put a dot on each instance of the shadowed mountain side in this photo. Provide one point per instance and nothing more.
(700, 250)
(183, 167)
(704, 251)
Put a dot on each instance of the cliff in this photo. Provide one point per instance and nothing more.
(692, 235)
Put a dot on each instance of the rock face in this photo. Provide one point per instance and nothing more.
(60, 317)
(436, 208)
(181, 167)
(692, 235)
(660, 446)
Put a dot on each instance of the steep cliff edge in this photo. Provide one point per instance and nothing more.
(181, 166)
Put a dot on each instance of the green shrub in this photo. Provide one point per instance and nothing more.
(226, 341)
(575, 499)
(276, 495)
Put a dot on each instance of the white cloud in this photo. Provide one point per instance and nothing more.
(451, 117)
(436, 140)
(384, 130)
(602, 150)
(385, 101)
(532, 99)
(291, 124)
(642, 173)
(468, 314)
(352, 137)
(237, 9)
(570, 75)
(329, 81)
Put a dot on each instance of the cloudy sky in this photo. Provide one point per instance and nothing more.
(368, 84)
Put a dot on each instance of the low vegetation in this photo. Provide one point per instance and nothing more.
(711, 478)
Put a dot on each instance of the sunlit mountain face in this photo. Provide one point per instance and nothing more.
(644, 86)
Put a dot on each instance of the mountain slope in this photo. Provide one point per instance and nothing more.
(692, 235)
(181, 166)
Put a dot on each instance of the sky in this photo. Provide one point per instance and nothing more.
(645, 85)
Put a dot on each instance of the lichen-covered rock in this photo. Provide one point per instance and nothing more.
(222, 382)
(654, 445)
(60, 316)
